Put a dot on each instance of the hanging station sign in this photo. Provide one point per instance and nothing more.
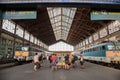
(18, 14)
(104, 15)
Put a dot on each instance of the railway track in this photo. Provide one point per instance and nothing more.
(115, 66)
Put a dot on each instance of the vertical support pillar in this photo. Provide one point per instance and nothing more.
(88, 42)
(107, 32)
(0, 30)
(14, 41)
(99, 36)
(85, 44)
(29, 39)
(0, 26)
(34, 41)
(6, 48)
(93, 40)
(24, 37)
(37, 42)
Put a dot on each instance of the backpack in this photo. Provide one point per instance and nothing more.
(75, 58)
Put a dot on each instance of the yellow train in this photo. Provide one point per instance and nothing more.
(25, 53)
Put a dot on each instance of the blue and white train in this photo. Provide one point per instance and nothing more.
(108, 52)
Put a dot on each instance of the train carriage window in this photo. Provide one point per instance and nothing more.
(111, 47)
(103, 47)
(25, 48)
(84, 51)
(18, 48)
(88, 50)
(94, 49)
(99, 48)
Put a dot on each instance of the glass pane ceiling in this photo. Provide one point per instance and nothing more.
(61, 20)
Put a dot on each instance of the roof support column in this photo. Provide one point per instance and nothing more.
(37, 43)
(88, 41)
(92, 39)
(85, 44)
(29, 39)
(14, 41)
(32, 43)
(24, 37)
(1, 22)
(0, 25)
(107, 32)
(99, 36)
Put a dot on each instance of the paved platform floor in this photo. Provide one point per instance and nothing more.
(91, 72)
(6, 65)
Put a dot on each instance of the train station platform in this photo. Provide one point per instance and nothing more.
(91, 72)
(6, 65)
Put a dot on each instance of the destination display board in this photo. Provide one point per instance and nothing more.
(62, 1)
(19, 14)
(104, 15)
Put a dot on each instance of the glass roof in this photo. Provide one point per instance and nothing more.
(61, 20)
(61, 46)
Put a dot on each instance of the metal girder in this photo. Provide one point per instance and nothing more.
(77, 37)
(37, 29)
(80, 30)
(102, 23)
(46, 32)
(42, 23)
(89, 27)
(61, 22)
(78, 33)
(86, 32)
(46, 36)
(23, 21)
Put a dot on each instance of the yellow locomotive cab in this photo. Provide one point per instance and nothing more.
(113, 53)
(21, 53)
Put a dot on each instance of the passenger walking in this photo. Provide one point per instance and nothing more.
(53, 64)
(41, 58)
(36, 62)
(47, 57)
(74, 59)
(67, 62)
(50, 60)
(81, 61)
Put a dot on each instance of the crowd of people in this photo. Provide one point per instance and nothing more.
(38, 60)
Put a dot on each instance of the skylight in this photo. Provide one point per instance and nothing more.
(61, 20)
